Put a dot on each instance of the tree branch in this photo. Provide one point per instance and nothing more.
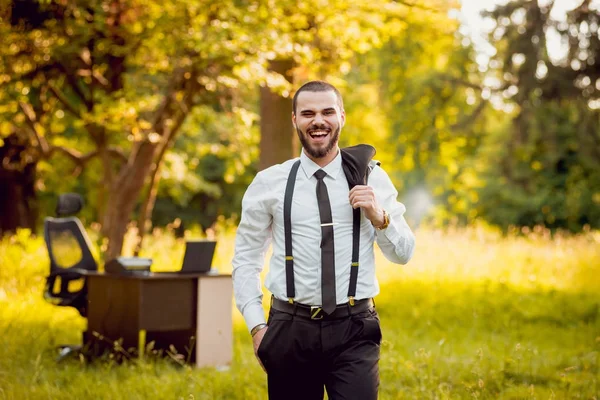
(31, 119)
(73, 154)
(149, 201)
(462, 82)
(81, 160)
(112, 151)
(75, 87)
(98, 77)
(168, 98)
(63, 99)
(47, 149)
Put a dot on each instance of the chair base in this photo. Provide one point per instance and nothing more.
(73, 350)
(68, 350)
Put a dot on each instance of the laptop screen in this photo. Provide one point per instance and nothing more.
(198, 255)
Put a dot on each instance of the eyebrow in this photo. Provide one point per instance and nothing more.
(324, 110)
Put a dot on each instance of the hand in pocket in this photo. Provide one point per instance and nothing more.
(257, 340)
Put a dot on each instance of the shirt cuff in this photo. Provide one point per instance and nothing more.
(390, 233)
(254, 315)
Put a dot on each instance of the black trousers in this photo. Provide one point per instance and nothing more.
(303, 357)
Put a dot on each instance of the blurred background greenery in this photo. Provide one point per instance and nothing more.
(162, 111)
(484, 113)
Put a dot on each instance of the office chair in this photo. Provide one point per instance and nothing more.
(70, 258)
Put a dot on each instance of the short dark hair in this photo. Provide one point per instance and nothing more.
(318, 86)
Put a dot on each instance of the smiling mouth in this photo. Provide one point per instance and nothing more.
(316, 134)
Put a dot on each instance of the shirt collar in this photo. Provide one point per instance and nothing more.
(310, 167)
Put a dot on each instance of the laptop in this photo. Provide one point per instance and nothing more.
(198, 256)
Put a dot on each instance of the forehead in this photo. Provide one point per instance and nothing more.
(316, 100)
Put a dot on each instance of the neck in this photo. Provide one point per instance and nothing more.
(326, 159)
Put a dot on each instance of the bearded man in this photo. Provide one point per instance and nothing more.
(322, 211)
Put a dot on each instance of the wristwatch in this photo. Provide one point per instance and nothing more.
(257, 328)
(386, 221)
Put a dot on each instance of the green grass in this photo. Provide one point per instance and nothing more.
(474, 315)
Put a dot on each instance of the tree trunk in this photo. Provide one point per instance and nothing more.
(18, 203)
(278, 140)
(123, 197)
(145, 216)
(130, 181)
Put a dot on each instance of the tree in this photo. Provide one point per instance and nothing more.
(549, 171)
(278, 138)
(126, 74)
(323, 44)
(110, 83)
(17, 180)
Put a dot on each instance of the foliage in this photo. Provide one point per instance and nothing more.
(544, 166)
(494, 317)
(207, 172)
(112, 84)
(106, 96)
(530, 159)
(422, 79)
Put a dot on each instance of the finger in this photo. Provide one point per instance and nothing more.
(365, 205)
(362, 193)
(361, 188)
(362, 203)
(362, 198)
(365, 191)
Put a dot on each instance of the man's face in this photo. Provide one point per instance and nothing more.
(318, 121)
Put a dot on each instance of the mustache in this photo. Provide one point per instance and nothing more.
(318, 127)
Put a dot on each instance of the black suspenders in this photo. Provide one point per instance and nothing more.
(287, 226)
(355, 250)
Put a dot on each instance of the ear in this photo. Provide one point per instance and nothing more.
(342, 118)
(294, 119)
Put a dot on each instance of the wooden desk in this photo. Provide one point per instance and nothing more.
(191, 312)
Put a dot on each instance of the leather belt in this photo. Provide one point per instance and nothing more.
(317, 313)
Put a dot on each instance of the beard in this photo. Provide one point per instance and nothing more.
(318, 151)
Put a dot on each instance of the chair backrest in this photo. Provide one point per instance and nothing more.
(68, 245)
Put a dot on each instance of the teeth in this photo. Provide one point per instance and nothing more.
(318, 133)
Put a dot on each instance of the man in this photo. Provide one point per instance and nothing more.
(323, 330)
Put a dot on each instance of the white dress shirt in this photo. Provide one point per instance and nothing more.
(262, 222)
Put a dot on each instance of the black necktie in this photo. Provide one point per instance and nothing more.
(327, 250)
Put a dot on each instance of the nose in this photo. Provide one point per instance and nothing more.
(319, 118)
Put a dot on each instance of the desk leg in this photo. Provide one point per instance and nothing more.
(214, 327)
(142, 343)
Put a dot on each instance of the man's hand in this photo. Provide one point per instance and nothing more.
(364, 197)
(256, 340)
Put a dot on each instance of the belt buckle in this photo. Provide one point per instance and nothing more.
(316, 312)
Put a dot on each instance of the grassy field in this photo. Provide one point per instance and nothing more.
(473, 315)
